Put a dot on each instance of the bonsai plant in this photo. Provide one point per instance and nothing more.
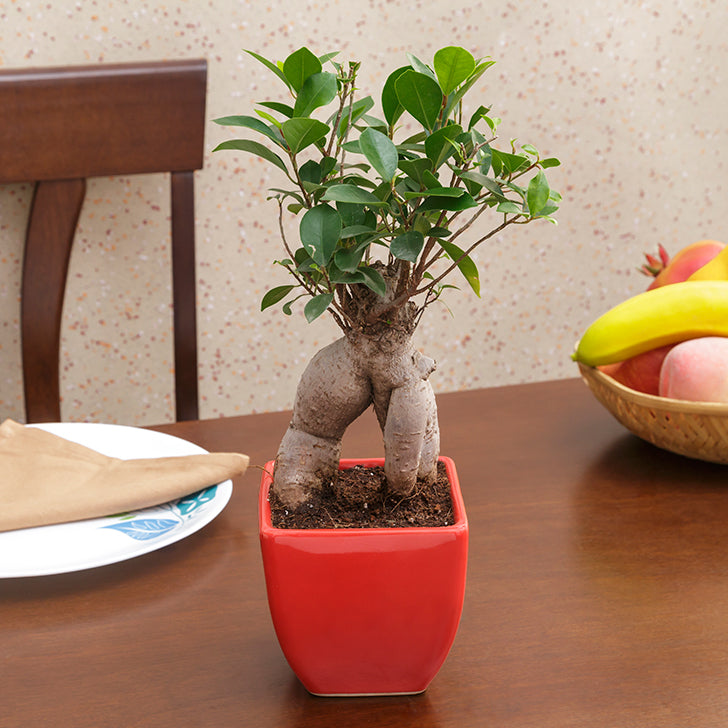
(384, 223)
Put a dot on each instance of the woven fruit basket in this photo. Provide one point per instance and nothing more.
(695, 429)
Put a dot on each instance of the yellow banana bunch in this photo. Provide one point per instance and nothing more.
(665, 315)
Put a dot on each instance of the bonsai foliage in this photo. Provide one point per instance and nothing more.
(383, 223)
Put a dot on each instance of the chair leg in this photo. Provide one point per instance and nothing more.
(184, 288)
(51, 227)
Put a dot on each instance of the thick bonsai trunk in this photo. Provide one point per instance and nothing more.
(340, 382)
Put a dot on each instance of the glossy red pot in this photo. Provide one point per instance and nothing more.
(365, 611)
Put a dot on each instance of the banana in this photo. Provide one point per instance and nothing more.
(665, 315)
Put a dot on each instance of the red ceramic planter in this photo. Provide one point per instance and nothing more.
(365, 611)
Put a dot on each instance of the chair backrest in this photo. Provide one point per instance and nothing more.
(60, 126)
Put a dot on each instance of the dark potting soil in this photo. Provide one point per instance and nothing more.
(358, 498)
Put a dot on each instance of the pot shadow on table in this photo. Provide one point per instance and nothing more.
(304, 709)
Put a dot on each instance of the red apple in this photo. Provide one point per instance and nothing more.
(641, 372)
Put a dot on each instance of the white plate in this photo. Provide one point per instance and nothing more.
(94, 542)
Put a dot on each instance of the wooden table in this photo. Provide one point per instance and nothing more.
(597, 593)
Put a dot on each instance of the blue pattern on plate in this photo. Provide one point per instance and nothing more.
(146, 529)
(191, 503)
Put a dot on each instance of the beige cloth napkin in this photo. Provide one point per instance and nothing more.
(47, 479)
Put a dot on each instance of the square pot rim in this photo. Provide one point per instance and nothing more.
(460, 524)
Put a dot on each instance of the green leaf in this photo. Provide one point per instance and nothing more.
(505, 163)
(421, 67)
(328, 57)
(551, 206)
(380, 152)
(480, 113)
(452, 66)
(299, 133)
(438, 146)
(431, 181)
(352, 146)
(373, 280)
(304, 262)
(352, 231)
(318, 90)
(509, 208)
(348, 259)
(268, 117)
(390, 102)
(517, 189)
(336, 275)
(317, 305)
(358, 109)
(415, 168)
(270, 66)
(250, 122)
(493, 122)
(455, 98)
(483, 156)
(465, 265)
(449, 203)
(310, 172)
(439, 232)
(274, 295)
(375, 123)
(414, 142)
(351, 214)
(437, 192)
(283, 109)
(356, 180)
(549, 162)
(484, 181)
(282, 194)
(299, 66)
(537, 194)
(247, 145)
(350, 193)
(327, 166)
(420, 96)
(319, 230)
(407, 246)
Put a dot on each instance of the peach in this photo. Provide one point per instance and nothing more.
(683, 264)
(696, 370)
(641, 372)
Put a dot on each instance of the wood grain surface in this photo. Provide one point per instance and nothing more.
(597, 593)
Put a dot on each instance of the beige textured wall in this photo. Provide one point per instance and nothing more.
(630, 95)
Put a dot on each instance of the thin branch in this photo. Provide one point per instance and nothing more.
(466, 253)
(429, 245)
(353, 68)
(299, 181)
(283, 232)
(339, 114)
(467, 224)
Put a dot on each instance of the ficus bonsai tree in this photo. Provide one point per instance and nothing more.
(384, 223)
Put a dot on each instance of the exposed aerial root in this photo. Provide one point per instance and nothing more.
(340, 382)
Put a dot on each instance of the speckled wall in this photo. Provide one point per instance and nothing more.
(630, 95)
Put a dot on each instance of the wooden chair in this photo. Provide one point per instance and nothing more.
(60, 126)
